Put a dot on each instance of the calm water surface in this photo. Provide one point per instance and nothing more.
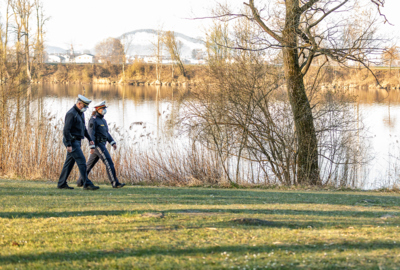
(127, 105)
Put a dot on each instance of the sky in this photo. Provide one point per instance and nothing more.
(87, 22)
(90, 21)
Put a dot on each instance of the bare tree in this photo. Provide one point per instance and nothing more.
(4, 76)
(304, 31)
(391, 54)
(110, 51)
(4, 37)
(218, 42)
(10, 70)
(174, 48)
(243, 114)
(22, 12)
(41, 20)
(126, 41)
(158, 49)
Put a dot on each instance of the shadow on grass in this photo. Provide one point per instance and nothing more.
(122, 252)
(201, 196)
(292, 219)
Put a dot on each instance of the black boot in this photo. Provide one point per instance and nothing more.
(118, 185)
(80, 183)
(65, 186)
(90, 187)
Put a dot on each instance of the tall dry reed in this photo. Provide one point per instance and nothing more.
(33, 149)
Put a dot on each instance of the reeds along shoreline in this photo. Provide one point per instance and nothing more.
(33, 149)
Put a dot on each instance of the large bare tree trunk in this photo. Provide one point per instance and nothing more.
(307, 161)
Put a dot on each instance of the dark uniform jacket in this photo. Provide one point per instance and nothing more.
(74, 128)
(98, 130)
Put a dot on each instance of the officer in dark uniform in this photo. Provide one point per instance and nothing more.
(74, 131)
(98, 130)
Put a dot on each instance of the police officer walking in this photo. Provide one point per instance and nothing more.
(98, 130)
(74, 131)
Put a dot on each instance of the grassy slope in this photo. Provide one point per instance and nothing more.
(42, 227)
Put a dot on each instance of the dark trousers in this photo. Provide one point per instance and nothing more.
(102, 153)
(75, 156)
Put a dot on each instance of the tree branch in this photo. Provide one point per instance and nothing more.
(379, 4)
(327, 14)
(260, 22)
(308, 63)
(308, 5)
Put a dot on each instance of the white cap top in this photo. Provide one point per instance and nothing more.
(84, 99)
(100, 104)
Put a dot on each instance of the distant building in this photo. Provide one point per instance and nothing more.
(197, 62)
(67, 58)
(396, 63)
(130, 59)
(198, 54)
(84, 59)
(168, 61)
(150, 59)
(52, 58)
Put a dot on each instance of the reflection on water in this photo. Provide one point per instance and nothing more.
(101, 91)
(380, 96)
(126, 104)
(377, 109)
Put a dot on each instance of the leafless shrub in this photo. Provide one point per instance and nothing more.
(242, 113)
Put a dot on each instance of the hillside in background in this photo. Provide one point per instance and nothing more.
(55, 49)
(141, 43)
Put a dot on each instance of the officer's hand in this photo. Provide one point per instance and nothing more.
(91, 142)
(91, 151)
(115, 146)
(69, 149)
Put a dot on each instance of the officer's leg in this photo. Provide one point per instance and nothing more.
(80, 161)
(67, 168)
(106, 158)
(79, 183)
(93, 158)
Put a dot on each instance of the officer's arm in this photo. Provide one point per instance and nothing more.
(87, 135)
(69, 119)
(110, 139)
(92, 128)
(89, 138)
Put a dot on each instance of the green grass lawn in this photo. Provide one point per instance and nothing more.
(42, 227)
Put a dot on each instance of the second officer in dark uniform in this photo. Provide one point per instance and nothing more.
(98, 130)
